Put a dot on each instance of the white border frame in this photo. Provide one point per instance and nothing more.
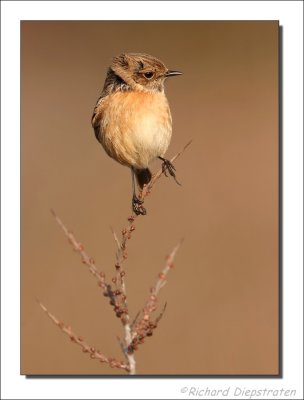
(289, 13)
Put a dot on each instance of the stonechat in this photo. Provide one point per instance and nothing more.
(132, 118)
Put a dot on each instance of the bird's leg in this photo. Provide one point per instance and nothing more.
(167, 166)
(137, 204)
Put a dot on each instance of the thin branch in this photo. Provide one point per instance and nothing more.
(150, 305)
(144, 326)
(119, 278)
(122, 299)
(85, 258)
(95, 354)
(161, 314)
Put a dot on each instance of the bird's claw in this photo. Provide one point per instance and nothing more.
(137, 206)
(167, 166)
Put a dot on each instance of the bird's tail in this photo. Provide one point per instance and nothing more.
(143, 176)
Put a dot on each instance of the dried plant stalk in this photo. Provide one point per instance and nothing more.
(86, 259)
(95, 354)
(117, 297)
(134, 333)
(142, 327)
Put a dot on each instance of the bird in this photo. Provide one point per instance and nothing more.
(132, 118)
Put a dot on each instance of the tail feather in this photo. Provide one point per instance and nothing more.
(143, 176)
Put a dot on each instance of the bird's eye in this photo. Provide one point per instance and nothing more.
(148, 75)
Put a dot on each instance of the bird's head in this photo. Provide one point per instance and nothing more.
(141, 72)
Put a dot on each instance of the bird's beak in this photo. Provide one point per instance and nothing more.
(172, 73)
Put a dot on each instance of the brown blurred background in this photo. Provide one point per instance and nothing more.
(222, 313)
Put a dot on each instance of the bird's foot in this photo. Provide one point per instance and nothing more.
(167, 166)
(137, 206)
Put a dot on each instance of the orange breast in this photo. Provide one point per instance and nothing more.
(135, 127)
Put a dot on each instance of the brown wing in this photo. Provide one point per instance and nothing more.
(96, 117)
